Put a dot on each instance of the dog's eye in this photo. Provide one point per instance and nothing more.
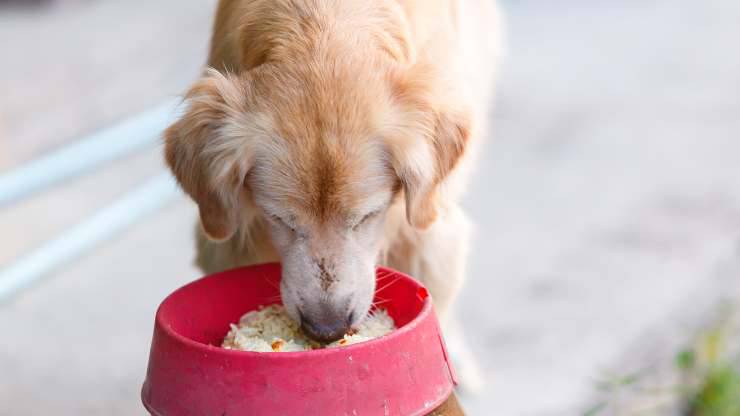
(364, 219)
(282, 222)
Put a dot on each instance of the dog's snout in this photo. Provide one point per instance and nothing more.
(327, 275)
(329, 331)
(327, 324)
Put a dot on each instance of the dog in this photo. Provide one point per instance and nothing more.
(335, 135)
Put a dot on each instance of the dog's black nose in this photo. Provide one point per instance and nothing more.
(328, 329)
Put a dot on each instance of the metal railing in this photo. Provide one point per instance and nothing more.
(82, 156)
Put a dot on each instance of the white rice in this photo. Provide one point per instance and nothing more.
(270, 329)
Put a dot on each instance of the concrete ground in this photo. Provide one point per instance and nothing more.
(607, 200)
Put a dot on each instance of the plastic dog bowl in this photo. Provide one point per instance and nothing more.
(404, 373)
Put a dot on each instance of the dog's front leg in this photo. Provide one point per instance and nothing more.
(436, 256)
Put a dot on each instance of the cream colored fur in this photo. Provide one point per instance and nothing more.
(333, 134)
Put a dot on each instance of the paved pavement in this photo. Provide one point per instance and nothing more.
(609, 194)
(606, 202)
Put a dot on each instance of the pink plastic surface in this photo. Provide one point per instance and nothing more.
(404, 373)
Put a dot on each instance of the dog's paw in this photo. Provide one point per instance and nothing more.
(470, 377)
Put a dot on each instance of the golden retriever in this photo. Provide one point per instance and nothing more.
(333, 135)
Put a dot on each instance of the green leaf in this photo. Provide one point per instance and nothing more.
(595, 410)
(686, 359)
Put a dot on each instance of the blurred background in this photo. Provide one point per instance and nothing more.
(606, 262)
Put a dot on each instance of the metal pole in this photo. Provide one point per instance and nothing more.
(83, 237)
(126, 137)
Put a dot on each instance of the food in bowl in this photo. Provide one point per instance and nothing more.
(270, 329)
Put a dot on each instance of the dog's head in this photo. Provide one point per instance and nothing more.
(319, 152)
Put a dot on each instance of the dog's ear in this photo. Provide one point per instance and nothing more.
(426, 142)
(210, 163)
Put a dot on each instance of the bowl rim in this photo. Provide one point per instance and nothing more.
(424, 313)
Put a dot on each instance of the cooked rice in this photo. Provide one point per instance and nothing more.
(270, 329)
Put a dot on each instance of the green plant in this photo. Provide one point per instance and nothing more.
(719, 394)
(711, 375)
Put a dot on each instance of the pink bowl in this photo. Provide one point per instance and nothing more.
(404, 373)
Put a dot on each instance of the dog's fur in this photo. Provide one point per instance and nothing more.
(335, 134)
